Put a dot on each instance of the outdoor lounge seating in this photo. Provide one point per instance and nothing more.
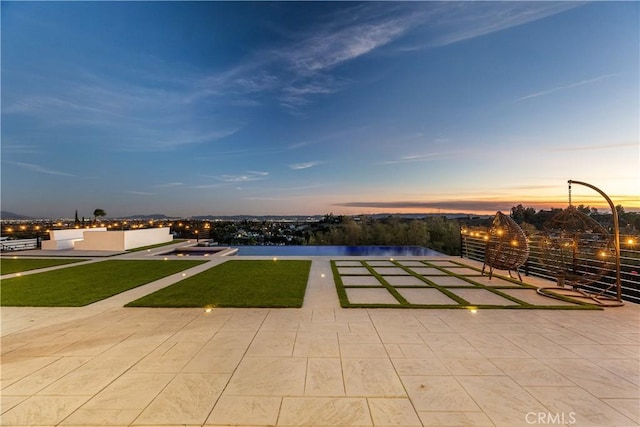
(507, 246)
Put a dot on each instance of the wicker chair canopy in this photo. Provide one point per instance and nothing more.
(507, 246)
(577, 249)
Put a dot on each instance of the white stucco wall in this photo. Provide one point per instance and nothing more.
(54, 245)
(148, 236)
(66, 239)
(122, 240)
(101, 241)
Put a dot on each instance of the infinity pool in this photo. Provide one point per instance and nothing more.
(336, 251)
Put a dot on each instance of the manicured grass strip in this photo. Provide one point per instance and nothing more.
(9, 266)
(496, 289)
(85, 284)
(237, 283)
(448, 291)
(431, 283)
(390, 289)
(340, 289)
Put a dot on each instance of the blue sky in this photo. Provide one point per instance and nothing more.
(308, 108)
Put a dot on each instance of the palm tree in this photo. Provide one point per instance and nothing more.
(97, 213)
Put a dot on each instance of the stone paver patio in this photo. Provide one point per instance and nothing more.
(318, 366)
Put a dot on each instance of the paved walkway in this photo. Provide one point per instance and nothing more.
(317, 366)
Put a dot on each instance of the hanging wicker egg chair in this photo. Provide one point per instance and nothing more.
(507, 246)
(576, 249)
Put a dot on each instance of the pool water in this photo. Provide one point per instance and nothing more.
(194, 250)
(336, 251)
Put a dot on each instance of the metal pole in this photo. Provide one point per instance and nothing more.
(616, 233)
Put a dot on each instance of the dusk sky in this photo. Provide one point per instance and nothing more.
(309, 108)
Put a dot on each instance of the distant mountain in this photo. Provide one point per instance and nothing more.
(5, 215)
(449, 215)
(11, 215)
(151, 216)
(292, 218)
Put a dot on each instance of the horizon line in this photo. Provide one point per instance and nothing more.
(196, 217)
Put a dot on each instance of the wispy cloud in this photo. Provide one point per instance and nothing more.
(478, 205)
(352, 33)
(231, 154)
(332, 136)
(145, 118)
(365, 28)
(296, 72)
(100, 97)
(140, 193)
(21, 149)
(188, 138)
(246, 177)
(209, 186)
(565, 87)
(169, 139)
(37, 104)
(415, 158)
(445, 23)
(39, 169)
(451, 205)
(301, 187)
(248, 78)
(305, 165)
(299, 92)
(148, 101)
(169, 185)
(297, 188)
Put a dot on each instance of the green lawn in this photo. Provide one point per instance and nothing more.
(85, 284)
(381, 278)
(10, 265)
(237, 283)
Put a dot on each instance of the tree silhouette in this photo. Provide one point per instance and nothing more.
(97, 213)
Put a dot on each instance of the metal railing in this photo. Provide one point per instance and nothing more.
(473, 245)
(19, 245)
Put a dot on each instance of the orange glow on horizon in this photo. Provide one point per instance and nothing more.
(472, 204)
